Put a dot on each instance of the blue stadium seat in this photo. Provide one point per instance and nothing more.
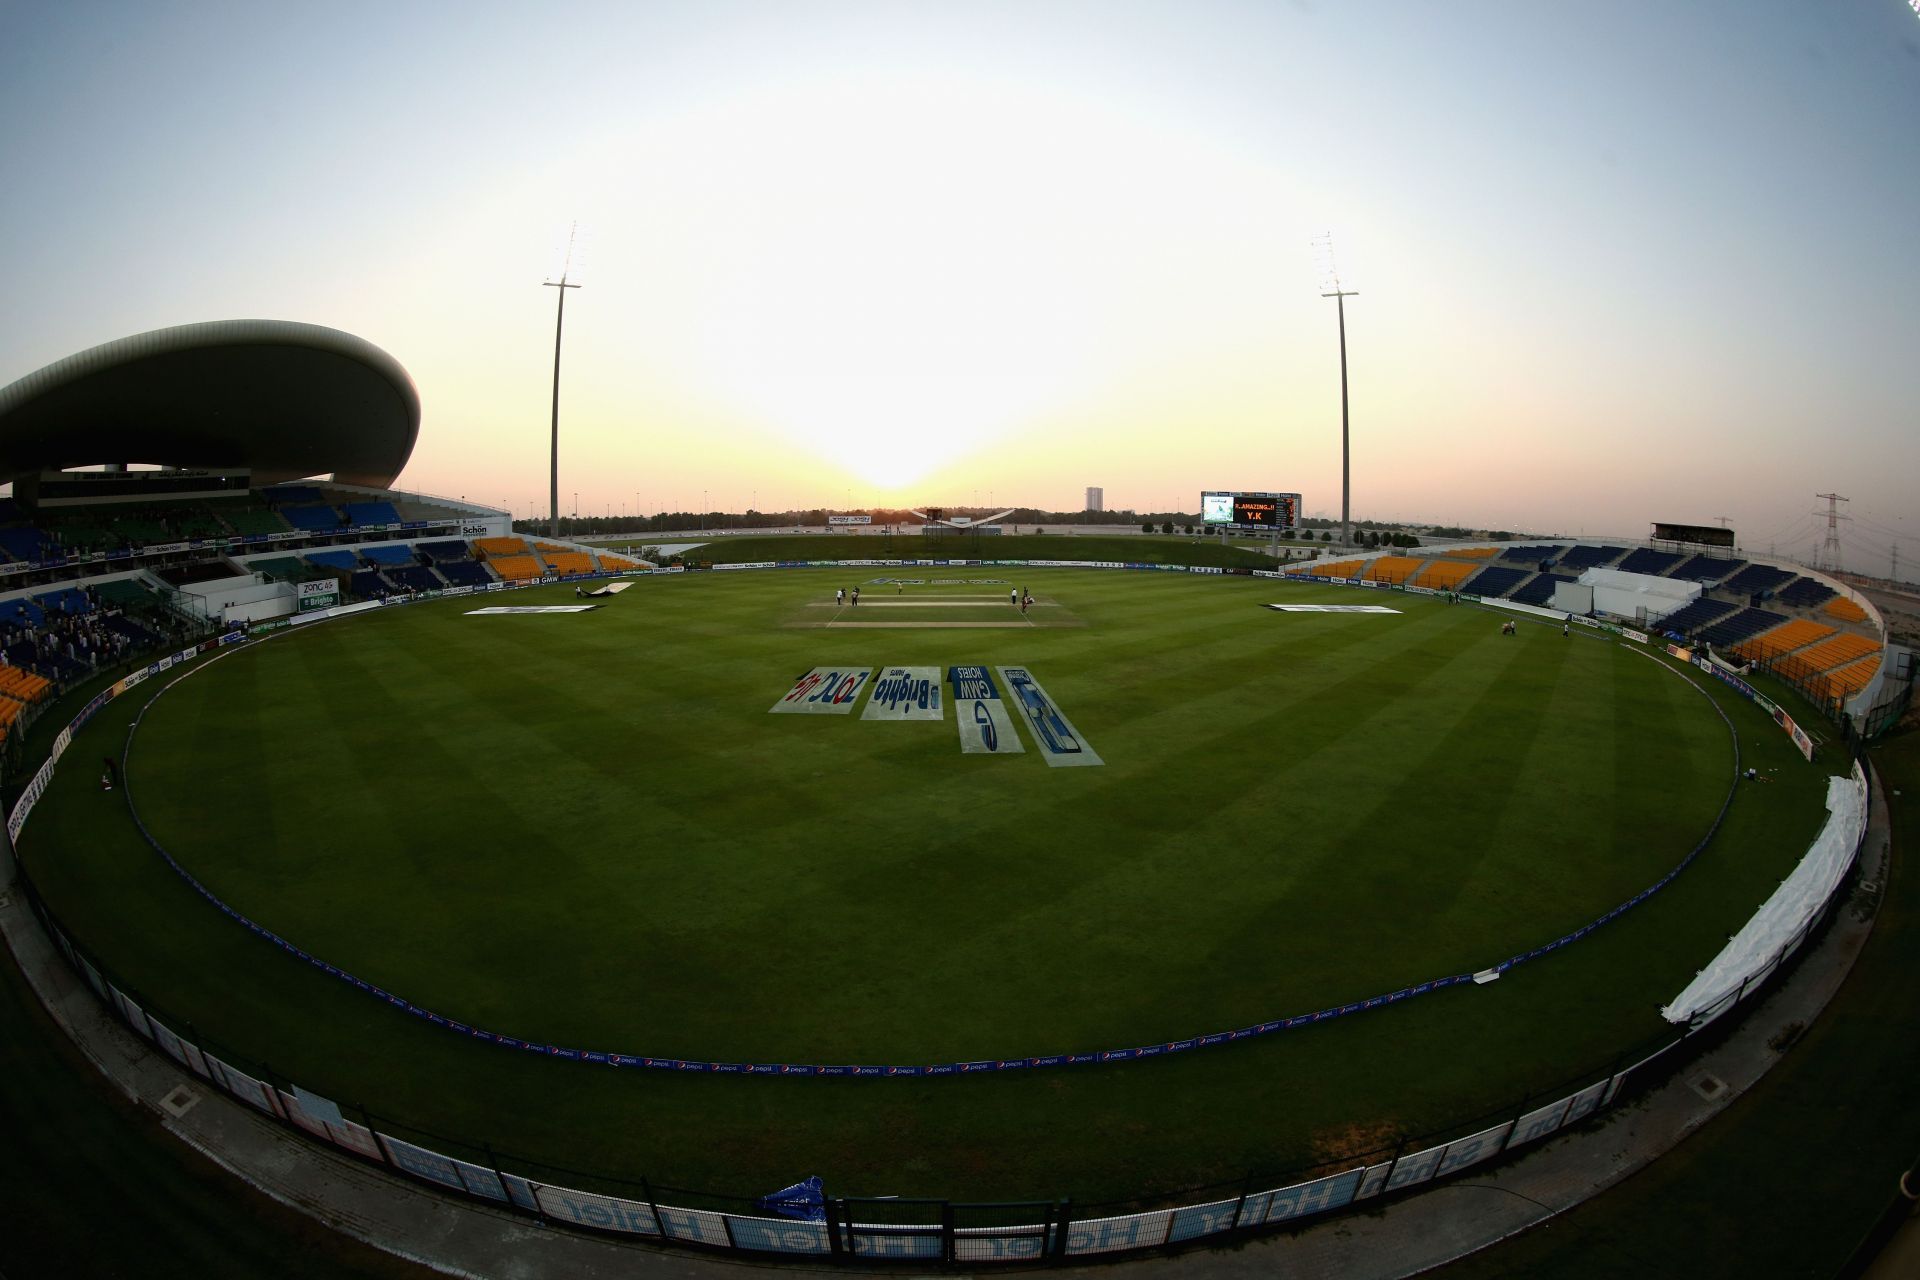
(1704, 568)
(454, 549)
(283, 493)
(1758, 578)
(1580, 558)
(312, 519)
(1804, 593)
(415, 577)
(389, 555)
(21, 613)
(1690, 617)
(67, 600)
(1647, 560)
(1539, 591)
(368, 584)
(1743, 625)
(372, 513)
(22, 543)
(333, 559)
(465, 573)
(1530, 555)
(1494, 580)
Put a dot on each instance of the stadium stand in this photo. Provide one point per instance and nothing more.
(254, 522)
(1335, 569)
(1741, 626)
(1844, 609)
(491, 547)
(124, 593)
(1844, 682)
(1444, 575)
(1846, 647)
(1647, 560)
(283, 568)
(1495, 580)
(372, 513)
(1794, 633)
(312, 519)
(616, 564)
(454, 549)
(1539, 591)
(286, 493)
(20, 612)
(1705, 568)
(343, 560)
(516, 568)
(1757, 579)
(67, 600)
(1804, 593)
(464, 573)
(1392, 569)
(23, 542)
(368, 584)
(415, 577)
(1471, 553)
(1535, 556)
(388, 555)
(565, 562)
(1581, 558)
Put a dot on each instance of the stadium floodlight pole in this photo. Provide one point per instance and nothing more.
(1340, 297)
(559, 320)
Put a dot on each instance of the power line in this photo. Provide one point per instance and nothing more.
(1830, 550)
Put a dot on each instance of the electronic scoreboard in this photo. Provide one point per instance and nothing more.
(1248, 512)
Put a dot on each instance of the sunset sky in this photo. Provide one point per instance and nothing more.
(1615, 263)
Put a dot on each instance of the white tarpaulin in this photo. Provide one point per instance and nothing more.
(1786, 914)
(1625, 594)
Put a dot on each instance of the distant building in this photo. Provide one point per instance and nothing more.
(1096, 498)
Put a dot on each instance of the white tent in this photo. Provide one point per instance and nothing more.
(1625, 594)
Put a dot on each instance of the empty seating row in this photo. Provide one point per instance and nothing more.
(415, 577)
(517, 568)
(1741, 626)
(1792, 634)
(334, 559)
(568, 562)
(319, 519)
(1704, 568)
(1391, 569)
(1495, 580)
(1844, 609)
(1530, 554)
(1647, 560)
(1338, 569)
(371, 513)
(1539, 591)
(491, 547)
(1841, 649)
(1580, 558)
(1690, 617)
(465, 573)
(1439, 575)
(388, 555)
(1756, 578)
(23, 686)
(1848, 680)
(1804, 593)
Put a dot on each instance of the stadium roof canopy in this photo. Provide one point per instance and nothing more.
(285, 400)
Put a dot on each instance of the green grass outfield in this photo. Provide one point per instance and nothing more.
(587, 829)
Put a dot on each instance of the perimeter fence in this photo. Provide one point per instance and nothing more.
(855, 1229)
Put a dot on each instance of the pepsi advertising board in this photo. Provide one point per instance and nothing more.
(1250, 512)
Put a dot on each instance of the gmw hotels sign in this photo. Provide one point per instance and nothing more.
(318, 593)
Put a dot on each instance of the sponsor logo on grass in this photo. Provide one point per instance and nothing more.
(824, 691)
(1331, 608)
(1058, 740)
(905, 693)
(986, 726)
(534, 608)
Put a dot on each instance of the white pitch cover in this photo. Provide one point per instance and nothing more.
(905, 693)
(1059, 742)
(824, 691)
(986, 723)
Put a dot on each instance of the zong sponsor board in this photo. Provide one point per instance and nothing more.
(986, 726)
(905, 693)
(1058, 740)
(824, 691)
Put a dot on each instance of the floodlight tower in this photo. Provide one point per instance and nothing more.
(559, 320)
(1340, 297)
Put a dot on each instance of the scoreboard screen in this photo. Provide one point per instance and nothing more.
(1250, 512)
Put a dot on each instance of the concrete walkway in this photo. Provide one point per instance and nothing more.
(1445, 1222)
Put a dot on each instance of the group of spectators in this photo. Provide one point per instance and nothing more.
(71, 642)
